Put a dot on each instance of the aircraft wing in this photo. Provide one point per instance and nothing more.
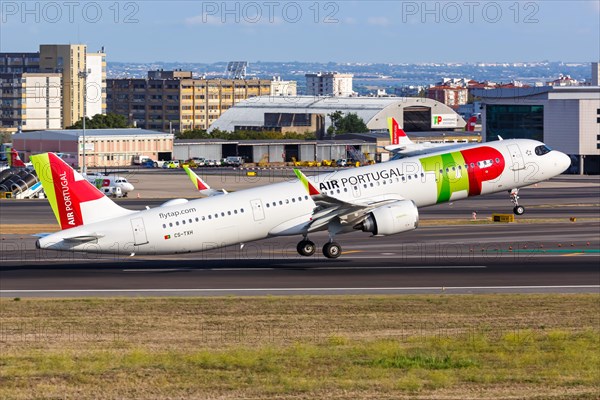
(329, 208)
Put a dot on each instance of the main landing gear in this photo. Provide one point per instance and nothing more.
(514, 197)
(307, 248)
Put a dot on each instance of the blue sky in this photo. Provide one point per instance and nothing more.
(339, 31)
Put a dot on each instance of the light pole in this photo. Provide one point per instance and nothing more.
(83, 75)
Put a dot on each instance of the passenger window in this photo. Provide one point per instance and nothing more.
(197, 219)
(268, 205)
(299, 198)
(216, 215)
(183, 222)
(274, 204)
(170, 224)
(177, 223)
(280, 202)
(210, 217)
(164, 226)
(242, 210)
(229, 212)
(293, 199)
(222, 214)
(203, 218)
(235, 211)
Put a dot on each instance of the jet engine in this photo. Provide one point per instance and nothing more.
(401, 216)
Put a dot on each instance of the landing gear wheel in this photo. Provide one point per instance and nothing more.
(519, 210)
(306, 248)
(332, 250)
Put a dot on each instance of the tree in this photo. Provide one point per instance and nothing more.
(101, 121)
(243, 135)
(350, 123)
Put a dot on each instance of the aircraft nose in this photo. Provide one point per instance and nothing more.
(563, 161)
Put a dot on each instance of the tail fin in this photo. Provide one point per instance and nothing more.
(397, 134)
(471, 123)
(74, 200)
(15, 160)
(202, 186)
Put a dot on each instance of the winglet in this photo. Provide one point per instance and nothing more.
(500, 137)
(202, 186)
(307, 185)
(199, 183)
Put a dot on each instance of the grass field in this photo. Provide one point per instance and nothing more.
(335, 347)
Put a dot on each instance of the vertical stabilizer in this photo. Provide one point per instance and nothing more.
(74, 200)
(15, 160)
(397, 134)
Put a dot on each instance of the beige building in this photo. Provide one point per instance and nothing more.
(329, 84)
(69, 60)
(174, 101)
(30, 101)
(103, 147)
(283, 88)
(61, 66)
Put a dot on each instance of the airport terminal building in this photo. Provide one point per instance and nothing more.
(565, 118)
(304, 114)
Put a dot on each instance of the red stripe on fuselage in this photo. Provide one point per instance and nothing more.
(481, 173)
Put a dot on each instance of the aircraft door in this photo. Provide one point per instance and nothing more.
(257, 210)
(139, 231)
(517, 162)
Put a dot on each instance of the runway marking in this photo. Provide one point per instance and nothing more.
(334, 289)
(572, 254)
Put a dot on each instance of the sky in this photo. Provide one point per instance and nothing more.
(339, 31)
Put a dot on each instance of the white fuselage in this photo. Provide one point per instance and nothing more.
(286, 209)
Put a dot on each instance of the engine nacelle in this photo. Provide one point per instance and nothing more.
(401, 216)
(174, 202)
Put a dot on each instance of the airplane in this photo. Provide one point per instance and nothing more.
(402, 146)
(382, 199)
(105, 181)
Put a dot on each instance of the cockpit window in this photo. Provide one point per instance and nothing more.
(543, 149)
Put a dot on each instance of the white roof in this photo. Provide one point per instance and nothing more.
(74, 134)
(250, 112)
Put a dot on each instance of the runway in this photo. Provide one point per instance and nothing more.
(524, 258)
(548, 255)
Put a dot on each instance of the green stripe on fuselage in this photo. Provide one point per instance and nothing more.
(448, 181)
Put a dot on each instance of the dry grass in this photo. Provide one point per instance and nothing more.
(429, 347)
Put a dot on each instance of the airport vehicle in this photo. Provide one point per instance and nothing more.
(139, 159)
(171, 164)
(382, 199)
(402, 146)
(234, 161)
(111, 185)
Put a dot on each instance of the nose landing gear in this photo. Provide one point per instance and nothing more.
(514, 197)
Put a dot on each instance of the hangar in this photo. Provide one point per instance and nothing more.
(310, 114)
(274, 151)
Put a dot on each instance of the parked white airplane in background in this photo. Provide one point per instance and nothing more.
(106, 181)
(382, 199)
(402, 146)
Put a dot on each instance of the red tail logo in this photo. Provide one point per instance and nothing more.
(15, 160)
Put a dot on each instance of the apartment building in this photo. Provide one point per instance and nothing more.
(329, 84)
(71, 62)
(175, 101)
